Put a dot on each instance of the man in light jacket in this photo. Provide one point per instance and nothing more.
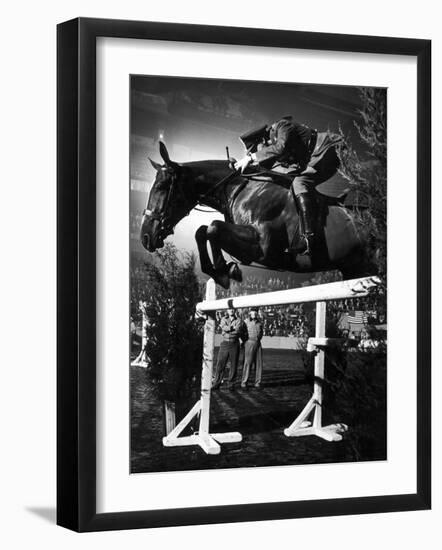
(252, 349)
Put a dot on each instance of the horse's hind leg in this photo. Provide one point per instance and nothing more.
(242, 241)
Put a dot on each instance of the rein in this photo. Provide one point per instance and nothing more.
(160, 216)
(224, 180)
(227, 179)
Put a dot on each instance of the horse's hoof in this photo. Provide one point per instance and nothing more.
(234, 272)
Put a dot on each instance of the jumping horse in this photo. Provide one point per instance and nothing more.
(261, 220)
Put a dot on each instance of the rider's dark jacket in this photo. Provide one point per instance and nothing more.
(289, 143)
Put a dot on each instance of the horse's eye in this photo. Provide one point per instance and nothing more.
(161, 185)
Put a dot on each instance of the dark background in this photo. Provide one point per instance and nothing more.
(198, 118)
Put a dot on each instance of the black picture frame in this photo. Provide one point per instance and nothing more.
(76, 274)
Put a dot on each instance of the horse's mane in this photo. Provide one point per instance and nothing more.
(218, 162)
(209, 163)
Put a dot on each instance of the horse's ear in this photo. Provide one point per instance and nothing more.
(164, 153)
(165, 156)
(156, 165)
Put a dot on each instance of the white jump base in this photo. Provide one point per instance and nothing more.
(141, 359)
(208, 442)
(302, 425)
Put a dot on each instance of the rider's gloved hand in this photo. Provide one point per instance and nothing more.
(243, 163)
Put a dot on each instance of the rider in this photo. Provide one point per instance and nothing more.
(299, 151)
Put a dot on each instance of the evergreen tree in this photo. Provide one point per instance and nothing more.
(174, 335)
(367, 171)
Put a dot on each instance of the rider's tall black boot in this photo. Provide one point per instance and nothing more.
(308, 212)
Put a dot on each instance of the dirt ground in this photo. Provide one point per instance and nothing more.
(259, 415)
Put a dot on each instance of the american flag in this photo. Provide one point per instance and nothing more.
(357, 317)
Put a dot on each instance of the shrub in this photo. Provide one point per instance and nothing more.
(174, 334)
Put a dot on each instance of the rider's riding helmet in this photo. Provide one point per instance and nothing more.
(255, 137)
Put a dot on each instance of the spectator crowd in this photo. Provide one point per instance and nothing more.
(296, 320)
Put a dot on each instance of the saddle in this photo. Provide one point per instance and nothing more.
(333, 191)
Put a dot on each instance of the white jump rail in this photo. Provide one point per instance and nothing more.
(320, 294)
(330, 291)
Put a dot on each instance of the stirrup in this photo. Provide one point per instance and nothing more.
(306, 249)
(309, 239)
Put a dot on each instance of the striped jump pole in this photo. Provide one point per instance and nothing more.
(207, 441)
(303, 426)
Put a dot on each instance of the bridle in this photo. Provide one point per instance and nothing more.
(161, 215)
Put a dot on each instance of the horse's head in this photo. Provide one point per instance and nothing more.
(167, 204)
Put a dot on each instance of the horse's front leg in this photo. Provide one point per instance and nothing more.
(201, 241)
(220, 276)
(242, 241)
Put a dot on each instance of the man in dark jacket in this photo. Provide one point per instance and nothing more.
(295, 149)
(231, 330)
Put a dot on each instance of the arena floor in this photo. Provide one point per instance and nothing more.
(260, 416)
